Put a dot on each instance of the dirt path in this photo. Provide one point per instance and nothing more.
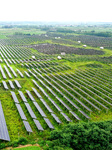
(21, 146)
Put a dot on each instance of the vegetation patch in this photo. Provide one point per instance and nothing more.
(81, 136)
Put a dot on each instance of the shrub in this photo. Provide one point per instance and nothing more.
(2, 145)
(15, 144)
(41, 143)
(89, 136)
(22, 141)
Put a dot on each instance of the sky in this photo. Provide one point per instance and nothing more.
(56, 10)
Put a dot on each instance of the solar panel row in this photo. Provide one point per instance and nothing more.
(4, 135)
(2, 72)
(5, 85)
(17, 83)
(6, 69)
(11, 85)
(52, 101)
(30, 111)
(21, 112)
(27, 74)
(66, 106)
(15, 75)
(73, 104)
(20, 73)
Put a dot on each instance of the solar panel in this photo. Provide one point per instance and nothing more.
(39, 109)
(4, 135)
(52, 92)
(57, 107)
(44, 93)
(84, 114)
(66, 117)
(5, 85)
(56, 118)
(8, 72)
(13, 72)
(27, 74)
(20, 73)
(42, 83)
(22, 115)
(10, 61)
(35, 83)
(75, 115)
(17, 61)
(14, 97)
(33, 74)
(35, 65)
(39, 70)
(38, 125)
(22, 96)
(68, 108)
(21, 60)
(38, 95)
(18, 84)
(30, 111)
(11, 85)
(13, 61)
(74, 105)
(30, 65)
(27, 126)
(48, 123)
(45, 104)
(3, 74)
(30, 96)
(26, 65)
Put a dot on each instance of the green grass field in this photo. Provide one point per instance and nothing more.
(28, 148)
